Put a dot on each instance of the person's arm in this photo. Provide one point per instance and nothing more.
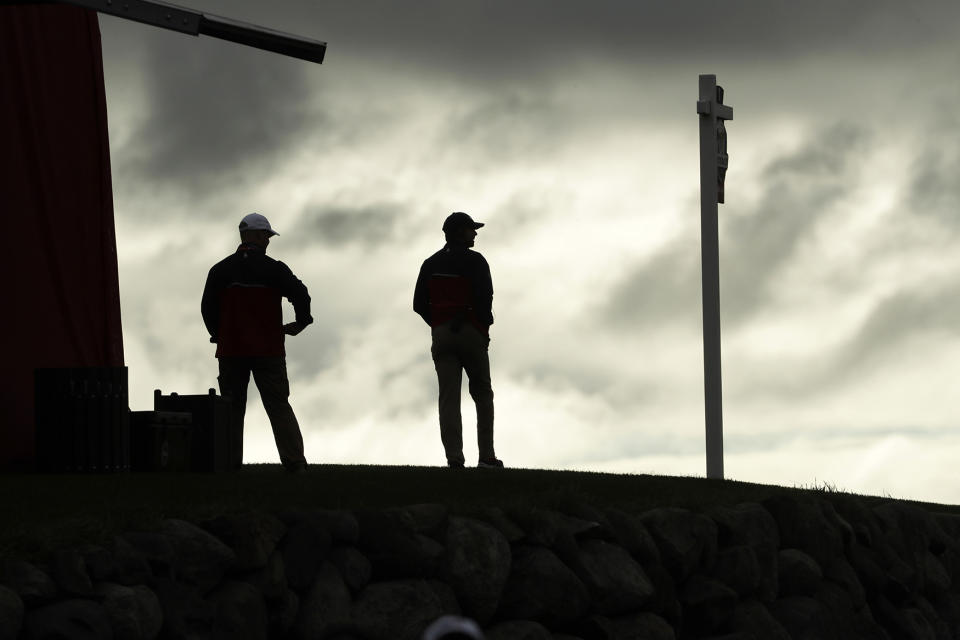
(210, 306)
(421, 295)
(483, 291)
(296, 292)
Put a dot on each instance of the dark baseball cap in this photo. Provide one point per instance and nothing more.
(459, 219)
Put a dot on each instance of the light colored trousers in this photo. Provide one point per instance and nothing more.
(453, 353)
(270, 375)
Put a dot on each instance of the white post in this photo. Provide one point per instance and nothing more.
(713, 166)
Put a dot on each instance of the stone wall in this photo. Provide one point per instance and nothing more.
(792, 568)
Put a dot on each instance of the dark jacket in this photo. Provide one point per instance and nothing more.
(241, 303)
(454, 285)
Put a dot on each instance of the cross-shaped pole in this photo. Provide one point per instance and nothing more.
(713, 169)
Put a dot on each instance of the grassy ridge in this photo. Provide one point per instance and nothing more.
(41, 513)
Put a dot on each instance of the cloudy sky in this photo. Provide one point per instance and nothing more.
(570, 128)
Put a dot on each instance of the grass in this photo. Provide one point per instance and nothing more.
(42, 513)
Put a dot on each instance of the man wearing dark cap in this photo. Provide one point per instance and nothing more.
(454, 295)
(242, 310)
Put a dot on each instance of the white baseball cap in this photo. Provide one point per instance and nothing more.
(256, 222)
(447, 625)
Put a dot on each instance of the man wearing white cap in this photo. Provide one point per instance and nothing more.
(242, 310)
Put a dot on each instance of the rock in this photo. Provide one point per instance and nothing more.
(271, 580)
(552, 529)
(11, 614)
(185, 613)
(33, 586)
(707, 604)
(101, 564)
(239, 612)
(799, 573)
(630, 532)
(395, 610)
(841, 573)
(617, 583)
(253, 537)
(128, 566)
(542, 588)
(518, 630)
(664, 601)
(750, 525)
(134, 612)
(201, 559)
(738, 568)
(427, 519)
(476, 564)
(342, 526)
(687, 541)
(151, 547)
(448, 599)
(808, 524)
(303, 548)
(395, 550)
(73, 619)
(69, 571)
(282, 614)
(637, 626)
(804, 617)
(325, 607)
(353, 566)
(497, 519)
(908, 622)
(934, 576)
(753, 619)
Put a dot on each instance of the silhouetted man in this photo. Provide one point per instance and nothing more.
(242, 310)
(454, 295)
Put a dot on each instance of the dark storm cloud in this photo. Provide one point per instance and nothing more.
(934, 188)
(799, 189)
(217, 116)
(370, 225)
(505, 37)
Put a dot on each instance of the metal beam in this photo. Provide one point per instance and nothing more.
(184, 20)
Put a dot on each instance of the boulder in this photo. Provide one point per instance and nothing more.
(69, 571)
(636, 626)
(738, 568)
(617, 583)
(271, 580)
(395, 550)
(303, 548)
(750, 525)
(751, 618)
(799, 573)
(542, 588)
(73, 619)
(201, 559)
(33, 586)
(353, 566)
(282, 614)
(134, 612)
(341, 526)
(552, 529)
(151, 547)
(906, 622)
(126, 565)
(428, 519)
(518, 630)
(239, 612)
(841, 573)
(496, 518)
(185, 613)
(808, 524)
(476, 564)
(252, 536)
(395, 610)
(707, 604)
(325, 607)
(687, 541)
(804, 618)
(630, 532)
(11, 614)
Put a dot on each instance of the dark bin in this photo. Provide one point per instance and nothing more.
(213, 447)
(160, 440)
(82, 419)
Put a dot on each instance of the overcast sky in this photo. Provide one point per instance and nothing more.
(570, 128)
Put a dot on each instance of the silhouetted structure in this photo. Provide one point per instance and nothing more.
(454, 295)
(713, 170)
(241, 308)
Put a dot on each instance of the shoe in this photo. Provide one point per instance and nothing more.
(455, 464)
(490, 463)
